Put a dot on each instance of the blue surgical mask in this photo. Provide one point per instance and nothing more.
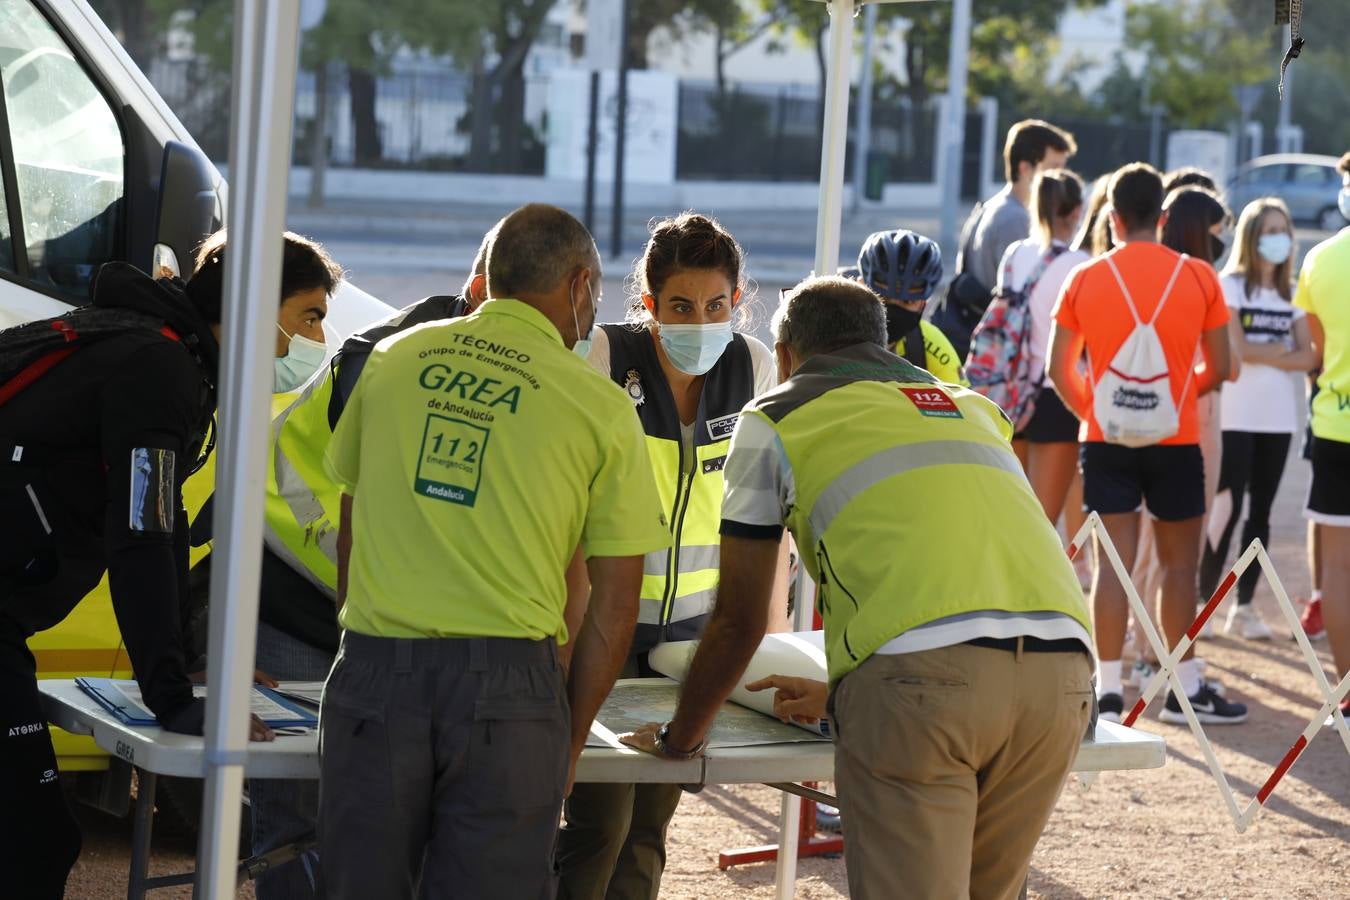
(694, 349)
(1344, 202)
(1275, 248)
(303, 358)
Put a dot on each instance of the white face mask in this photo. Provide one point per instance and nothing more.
(303, 358)
(1275, 248)
(1344, 202)
(582, 347)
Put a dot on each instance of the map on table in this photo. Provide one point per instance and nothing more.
(636, 701)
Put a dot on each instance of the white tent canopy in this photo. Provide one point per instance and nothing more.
(266, 41)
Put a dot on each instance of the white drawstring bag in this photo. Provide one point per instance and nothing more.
(1133, 400)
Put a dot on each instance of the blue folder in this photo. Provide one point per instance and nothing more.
(121, 698)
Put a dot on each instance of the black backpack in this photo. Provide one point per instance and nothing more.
(31, 350)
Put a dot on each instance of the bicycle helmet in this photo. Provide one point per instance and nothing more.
(900, 265)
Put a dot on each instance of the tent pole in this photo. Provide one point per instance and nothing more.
(835, 136)
(266, 49)
(829, 222)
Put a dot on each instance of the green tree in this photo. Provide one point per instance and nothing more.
(1195, 56)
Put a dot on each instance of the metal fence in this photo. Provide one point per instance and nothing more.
(772, 133)
(746, 132)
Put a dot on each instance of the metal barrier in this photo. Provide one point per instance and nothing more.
(1331, 697)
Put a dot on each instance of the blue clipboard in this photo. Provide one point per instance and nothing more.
(109, 694)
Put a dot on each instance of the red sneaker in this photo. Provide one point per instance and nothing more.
(1311, 620)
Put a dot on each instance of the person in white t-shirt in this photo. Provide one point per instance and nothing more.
(1048, 445)
(1259, 411)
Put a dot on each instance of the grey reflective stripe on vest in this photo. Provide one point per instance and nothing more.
(699, 603)
(692, 559)
(897, 460)
(304, 506)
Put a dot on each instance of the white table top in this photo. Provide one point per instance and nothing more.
(297, 756)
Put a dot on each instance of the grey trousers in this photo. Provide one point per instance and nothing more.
(443, 764)
(286, 811)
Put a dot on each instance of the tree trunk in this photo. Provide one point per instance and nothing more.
(318, 138)
(512, 124)
(361, 85)
(136, 31)
(480, 120)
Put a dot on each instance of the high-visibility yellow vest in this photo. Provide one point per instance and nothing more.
(302, 508)
(910, 505)
(303, 505)
(679, 585)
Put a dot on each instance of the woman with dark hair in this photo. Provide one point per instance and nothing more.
(1193, 222)
(1038, 267)
(688, 373)
(1260, 410)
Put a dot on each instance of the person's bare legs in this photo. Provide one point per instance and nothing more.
(1315, 556)
(1050, 469)
(1336, 594)
(1074, 517)
(1021, 447)
(1177, 545)
(1110, 610)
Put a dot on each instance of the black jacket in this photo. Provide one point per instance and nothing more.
(81, 425)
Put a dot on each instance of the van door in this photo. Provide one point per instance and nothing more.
(62, 170)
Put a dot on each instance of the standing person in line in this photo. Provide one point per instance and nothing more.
(1102, 303)
(1260, 410)
(1048, 445)
(1031, 147)
(474, 456)
(960, 692)
(1324, 294)
(1194, 222)
(687, 374)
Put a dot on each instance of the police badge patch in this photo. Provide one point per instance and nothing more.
(632, 384)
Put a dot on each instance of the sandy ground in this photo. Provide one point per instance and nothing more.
(1158, 833)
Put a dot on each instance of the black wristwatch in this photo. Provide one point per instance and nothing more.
(670, 752)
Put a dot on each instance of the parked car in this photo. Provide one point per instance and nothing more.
(94, 167)
(1309, 184)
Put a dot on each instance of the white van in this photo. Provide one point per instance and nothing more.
(94, 167)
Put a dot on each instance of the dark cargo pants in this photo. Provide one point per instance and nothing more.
(443, 764)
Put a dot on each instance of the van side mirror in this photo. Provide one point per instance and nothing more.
(189, 208)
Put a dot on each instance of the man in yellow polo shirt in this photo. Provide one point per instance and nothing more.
(961, 669)
(474, 456)
(1324, 293)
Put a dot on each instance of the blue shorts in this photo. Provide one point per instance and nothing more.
(1167, 479)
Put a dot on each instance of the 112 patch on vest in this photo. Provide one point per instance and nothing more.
(450, 464)
(931, 402)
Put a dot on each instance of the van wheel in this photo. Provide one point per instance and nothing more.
(178, 814)
(1330, 219)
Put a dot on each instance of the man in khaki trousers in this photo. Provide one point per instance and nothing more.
(960, 669)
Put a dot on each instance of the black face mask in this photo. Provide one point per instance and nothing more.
(1217, 247)
(900, 322)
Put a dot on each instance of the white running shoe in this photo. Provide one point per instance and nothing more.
(1246, 621)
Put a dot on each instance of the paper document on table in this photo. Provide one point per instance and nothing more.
(636, 701)
(310, 692)
(798, 654)
(122, 697)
